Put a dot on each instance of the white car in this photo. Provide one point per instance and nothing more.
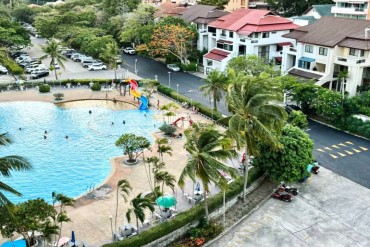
(129, 50)
(173, 67)
(41, 67)
(56, 66)
(97, 66)
(3, 70)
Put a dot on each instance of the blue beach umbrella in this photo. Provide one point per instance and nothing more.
(73, 239)
(197, 187)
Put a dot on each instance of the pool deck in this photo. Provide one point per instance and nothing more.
(90, 216)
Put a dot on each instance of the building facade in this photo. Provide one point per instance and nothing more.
(246, 32)
(355, 9)
(321, 53)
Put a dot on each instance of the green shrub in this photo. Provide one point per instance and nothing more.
(44, 88)
(168, 129)
(58, 96)
(189, 67)
(96, 87)
(299, 119)
(195, 213)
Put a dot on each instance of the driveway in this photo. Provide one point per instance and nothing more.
(330, 210)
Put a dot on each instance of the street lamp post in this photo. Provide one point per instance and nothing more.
(177, 85)
(169, 79)
(135, 66)
(111, 226)
(212, 109)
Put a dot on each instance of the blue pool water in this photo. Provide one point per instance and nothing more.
(70, 166)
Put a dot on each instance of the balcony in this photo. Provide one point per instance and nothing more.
(350, 11)
(351, 60)
(202, 31)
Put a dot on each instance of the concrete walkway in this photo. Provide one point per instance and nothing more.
(330, 210)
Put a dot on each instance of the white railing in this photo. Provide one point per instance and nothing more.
(351, 60)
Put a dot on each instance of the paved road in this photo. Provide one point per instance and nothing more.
(188, 84)
(330, 211)
(345, 154)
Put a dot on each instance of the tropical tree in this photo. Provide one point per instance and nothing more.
(125, 188)
(216, 83)
(138, 206)
(110, 55)
(298, 119)
(251, 65)
(169, 109)
(163, 148)
(132, 145)
(52, 49)
(167, 179)
(7, 165)
(48, 230)
(205, 146)
(61, 216)
(219, 3)
(255, 119)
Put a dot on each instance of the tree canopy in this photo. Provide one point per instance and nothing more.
(289, 163)
(219, 3)
(132, 145)
(12, 34)
(294, 7)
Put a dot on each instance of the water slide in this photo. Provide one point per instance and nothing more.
(133, 90)
(180, 118)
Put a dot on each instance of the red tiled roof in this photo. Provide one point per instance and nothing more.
(224, 41)
(285, 44)
(245, 21)
(216, 54)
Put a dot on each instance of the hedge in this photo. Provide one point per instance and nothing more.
(202, 109)
(184, 218)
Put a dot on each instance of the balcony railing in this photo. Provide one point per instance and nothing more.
(351, 60)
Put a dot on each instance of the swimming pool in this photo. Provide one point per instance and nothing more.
(69, 166)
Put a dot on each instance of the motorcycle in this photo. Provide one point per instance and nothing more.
(315, 167)
(282, 197)
(288, 189)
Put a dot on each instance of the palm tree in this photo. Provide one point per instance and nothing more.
(110, 56)
(162, 148)
(205, 146)
(255, 118)
(166, 179)
(61, 216)
(52, 49)
(8, 164)
(48, 230)
(125, 187)
(216, 83)
(222, 183)
(138, 206)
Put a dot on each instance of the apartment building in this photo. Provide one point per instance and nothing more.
(246, 4)
(355, 9)
(243, 32)
(322, 52)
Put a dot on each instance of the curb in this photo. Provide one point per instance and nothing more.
(241, 219)
(345, 131)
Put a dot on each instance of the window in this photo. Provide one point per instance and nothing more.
(308, 48)
(265, 35)
(353, 52)
(254, 35)
(362, 53)
(304, 64)
(223, 33)
(242, 2)
(323, 51)
(264, 52)
(231, 34)
(273, 32)
(209, 62)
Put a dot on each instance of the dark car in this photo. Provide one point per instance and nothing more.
(39, 74)
(282, 197)
(17, 54)
(290, 108)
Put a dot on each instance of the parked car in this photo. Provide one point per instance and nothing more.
(76, 55)
(69, 53)
(129, 50)
(31, 68)
(87, 63)
(16, 54)
(38, 69)
(118, 59)
(40, 74)
(22, 58)
(290, 108)
(173, 67)
(97, 66)
(3, 70)
(86, 58)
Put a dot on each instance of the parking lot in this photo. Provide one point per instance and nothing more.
(73, 70)
(330, 210)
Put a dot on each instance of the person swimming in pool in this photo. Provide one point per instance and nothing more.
(124, 122)
(45, 132)
(90, 112)
(66, 136)
(45, 137)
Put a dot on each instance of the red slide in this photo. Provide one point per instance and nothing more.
(180, 118)
(191, 122)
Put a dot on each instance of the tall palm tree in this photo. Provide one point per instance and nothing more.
(255, 119)
(61, 216)
(162, 148)
(167, 179)
(138, 206)
(52, 49)
(8, 164)
(48, 230)
(205, 146)
(110, 54)
(125, 188)
(216, 83)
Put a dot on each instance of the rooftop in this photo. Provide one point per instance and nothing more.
(246, 21)
(325, 32)
(202, 13)
(321, 9)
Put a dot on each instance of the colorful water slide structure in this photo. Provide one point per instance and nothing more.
(133, 90)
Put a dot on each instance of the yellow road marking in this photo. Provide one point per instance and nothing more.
(348, 152)
(320, 150)
(357, 151)
(349, 143)
(334, 146)
(332, 155)
(365, 149)
(341, 154)
(327, 148)
(341, 144)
